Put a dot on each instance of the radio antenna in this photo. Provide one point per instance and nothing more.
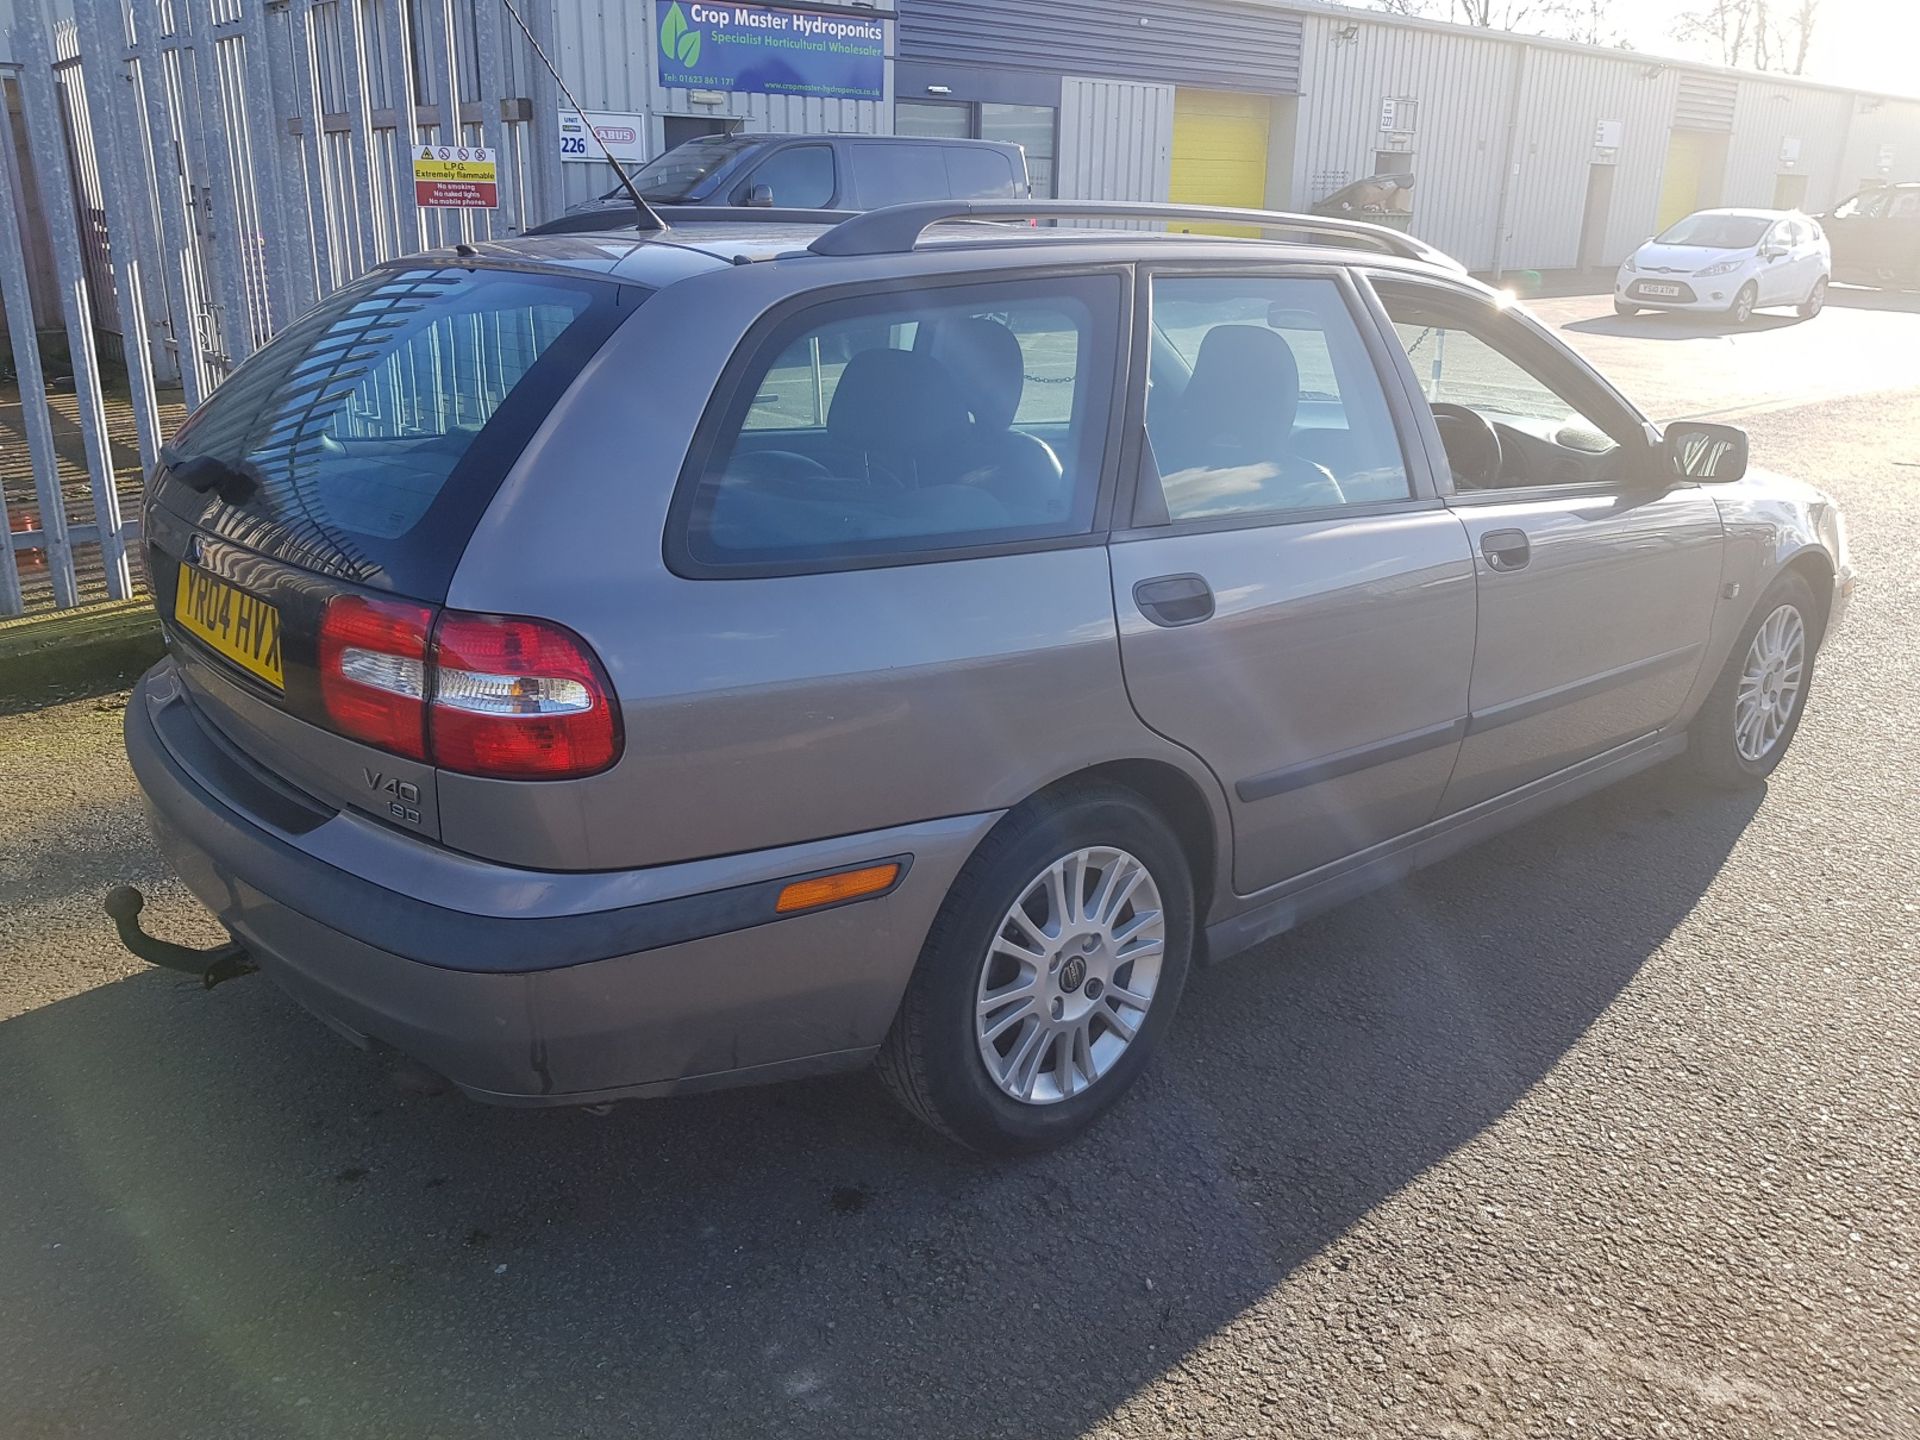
(649, 217)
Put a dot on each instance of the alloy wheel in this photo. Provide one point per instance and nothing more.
(1070, 975)
(1771, 681)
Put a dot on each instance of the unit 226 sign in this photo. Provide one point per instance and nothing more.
(622, 133)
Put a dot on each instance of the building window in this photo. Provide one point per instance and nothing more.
(1032, 127)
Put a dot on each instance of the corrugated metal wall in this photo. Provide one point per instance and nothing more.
(1767, 116)
(1877, 123)
(1215, 44)
(1564, 98)
(606, 53)
(1463, 83)
(1116, 140)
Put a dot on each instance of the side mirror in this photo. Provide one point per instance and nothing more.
(1698, 450)
(1772, 252)
(760, 196)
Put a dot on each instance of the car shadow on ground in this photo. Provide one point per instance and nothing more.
(1860, 297)
(1680, 325)
(221, 1221)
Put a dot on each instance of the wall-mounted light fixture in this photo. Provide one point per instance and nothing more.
(1347, 34)
(1653, 72)
(939, 89)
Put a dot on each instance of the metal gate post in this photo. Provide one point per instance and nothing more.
(266, 136)
(49, 148)
(200, 67)
(33, 387)
(183, 290)
(493, 129)
(99, 62)
(406, 135)
(302, 69)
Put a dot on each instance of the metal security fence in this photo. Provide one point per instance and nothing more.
(205, 170)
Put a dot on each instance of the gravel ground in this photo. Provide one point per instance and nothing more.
(1607, 1128)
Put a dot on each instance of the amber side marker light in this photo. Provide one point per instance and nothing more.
(831, 889)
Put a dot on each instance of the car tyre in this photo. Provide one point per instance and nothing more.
(1731, 743)
(1741, 311)
(934, 1059)
(1621, 307)
(1816, 300)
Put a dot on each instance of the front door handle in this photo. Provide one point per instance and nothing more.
(1171, 600)
(1506, 549)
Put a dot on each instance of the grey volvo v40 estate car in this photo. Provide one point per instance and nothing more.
(603, 666)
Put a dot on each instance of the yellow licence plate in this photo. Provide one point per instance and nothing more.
(241, 627)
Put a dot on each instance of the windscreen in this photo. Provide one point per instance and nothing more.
(1715, 232)
(367, 439)
(678, 173)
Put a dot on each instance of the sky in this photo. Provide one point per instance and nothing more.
(1871, 44)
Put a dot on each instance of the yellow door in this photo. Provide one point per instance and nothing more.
(1680, 186)
(1220, 151)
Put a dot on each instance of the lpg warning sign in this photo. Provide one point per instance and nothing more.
(456, 177)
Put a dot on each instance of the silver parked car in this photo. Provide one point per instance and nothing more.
(607, 666)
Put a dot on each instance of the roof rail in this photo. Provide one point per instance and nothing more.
(896, 229)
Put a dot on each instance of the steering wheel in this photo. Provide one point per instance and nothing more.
(1472, 445)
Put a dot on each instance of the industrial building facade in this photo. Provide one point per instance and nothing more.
(1526, 153)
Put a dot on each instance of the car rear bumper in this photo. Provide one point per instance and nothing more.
(536, 988)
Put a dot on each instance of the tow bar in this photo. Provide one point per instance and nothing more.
(213, 965)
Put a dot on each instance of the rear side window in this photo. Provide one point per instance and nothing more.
(979, 174)
(375, 429)
(885, 427)
(893, 174)
(1264, 400)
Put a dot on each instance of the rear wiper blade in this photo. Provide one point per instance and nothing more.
(234, 482)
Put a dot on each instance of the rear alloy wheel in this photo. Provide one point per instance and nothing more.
(1743, 303)
(1050, 973)
(1816, 300)
(1749, 719)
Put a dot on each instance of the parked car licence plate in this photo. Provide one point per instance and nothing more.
(239, 626)
(1647, 288)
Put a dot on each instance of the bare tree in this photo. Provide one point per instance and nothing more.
(1582, 20)
(1752, 32)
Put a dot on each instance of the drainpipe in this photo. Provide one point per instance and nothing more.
(1513, 163)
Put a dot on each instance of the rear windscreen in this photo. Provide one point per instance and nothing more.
(369, 436)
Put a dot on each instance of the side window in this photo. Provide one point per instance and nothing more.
(978, 174)
(921, 421)
(1867, 205)
(1905, 206)
(894, 174)
(1264, 399)
(1501, 397)
(800, 176)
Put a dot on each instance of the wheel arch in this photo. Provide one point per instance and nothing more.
(1198, 822)
(1815, 566)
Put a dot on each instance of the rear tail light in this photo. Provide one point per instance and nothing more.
(373, 671)
(482, 694)
(519, 699)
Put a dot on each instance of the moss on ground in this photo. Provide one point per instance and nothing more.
(70, 654)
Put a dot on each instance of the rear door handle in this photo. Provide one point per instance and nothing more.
(1506, 549)
(1171, 600)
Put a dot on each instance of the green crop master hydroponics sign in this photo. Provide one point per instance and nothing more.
(770, 51)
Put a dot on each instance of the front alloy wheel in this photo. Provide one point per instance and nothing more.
(1770, 684)
(1743, 303)
(1070, 975)
(1749, 717)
